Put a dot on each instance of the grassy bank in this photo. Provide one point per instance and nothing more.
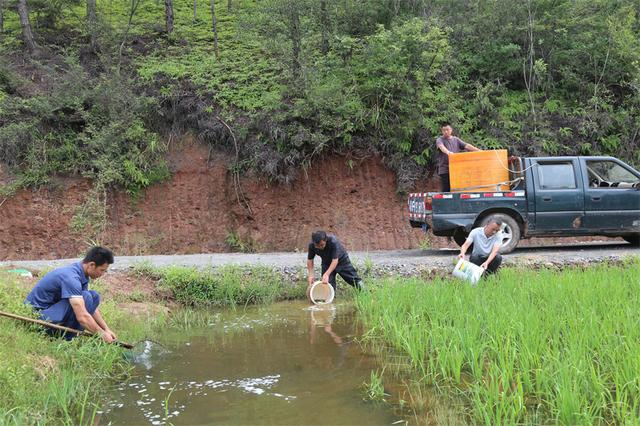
(523, 347)
(226, 286)
(52, 381)
(47, 381)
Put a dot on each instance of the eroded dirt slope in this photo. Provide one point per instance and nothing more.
(197, 210)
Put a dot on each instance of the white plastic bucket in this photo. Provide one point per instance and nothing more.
(468, 271)
(321, 294)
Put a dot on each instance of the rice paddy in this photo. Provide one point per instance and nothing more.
(523, 347)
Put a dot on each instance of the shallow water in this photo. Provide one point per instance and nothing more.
(284, 364)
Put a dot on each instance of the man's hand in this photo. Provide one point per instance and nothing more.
(113, 335)
(107, 337)
(485, 265)
(325, 278)
(310, 280)
(461, 255)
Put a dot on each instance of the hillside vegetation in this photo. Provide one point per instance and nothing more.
(102, 92)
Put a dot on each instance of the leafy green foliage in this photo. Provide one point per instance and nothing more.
(295, 79)
(226, 286)
(87, 127)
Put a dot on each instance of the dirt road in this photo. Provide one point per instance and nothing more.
(403, 261)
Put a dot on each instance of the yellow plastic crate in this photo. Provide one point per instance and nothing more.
(478, 171)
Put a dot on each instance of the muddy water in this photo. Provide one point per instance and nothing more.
(286, 364)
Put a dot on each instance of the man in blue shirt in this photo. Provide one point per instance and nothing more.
(63, 297)
(335, 260)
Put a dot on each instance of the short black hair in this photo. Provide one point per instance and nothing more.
(495, 220)
(318, 236)
(98, 255)
(445, 124)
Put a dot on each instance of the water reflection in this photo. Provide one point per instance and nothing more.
(283, 364)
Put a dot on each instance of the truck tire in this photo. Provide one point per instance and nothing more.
(460, 236)
(510, 230)
(634, 240)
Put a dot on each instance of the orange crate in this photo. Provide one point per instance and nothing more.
(478, 171)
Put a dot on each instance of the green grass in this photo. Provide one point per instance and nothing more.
(228, 286)
(523, 347)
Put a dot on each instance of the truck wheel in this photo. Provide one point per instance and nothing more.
(633, 239)
(460, 236)
(510, 231)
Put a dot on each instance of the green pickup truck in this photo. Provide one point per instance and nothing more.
(548, 197)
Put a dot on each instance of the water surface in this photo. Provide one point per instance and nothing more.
(284, 364)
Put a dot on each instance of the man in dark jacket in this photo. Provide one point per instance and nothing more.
(335, 260)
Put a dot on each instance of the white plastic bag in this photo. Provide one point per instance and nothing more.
(468, 271)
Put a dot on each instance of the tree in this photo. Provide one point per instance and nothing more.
(296, 40)
(1, 16)
(92, 22)
(27, 34)
(168, 15)
(324, 27)
(214, 25)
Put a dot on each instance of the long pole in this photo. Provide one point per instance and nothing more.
(58, 327)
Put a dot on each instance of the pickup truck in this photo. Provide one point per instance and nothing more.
(547, 197)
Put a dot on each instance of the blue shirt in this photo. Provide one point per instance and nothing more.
(61, 283)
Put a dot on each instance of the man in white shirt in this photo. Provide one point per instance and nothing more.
(486, 241)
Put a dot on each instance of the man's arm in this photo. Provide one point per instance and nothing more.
(494, 252)
(86, 320)
(469, 147)
(443, 148)
(330, 269)
(102, 323)
(310, 271)
(464, 248)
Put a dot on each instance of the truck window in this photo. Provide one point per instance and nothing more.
(609, 174)
(556, 176)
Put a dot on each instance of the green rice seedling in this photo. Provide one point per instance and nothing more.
(367, 267)
(374, 390)
(165, 403)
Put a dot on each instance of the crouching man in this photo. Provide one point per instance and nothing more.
(63, 297)
(486, 241)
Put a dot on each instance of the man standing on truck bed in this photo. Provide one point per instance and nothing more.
(335, 260)
(486, 241)
(448, 144)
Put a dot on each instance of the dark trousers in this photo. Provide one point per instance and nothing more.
(348, 273)
(445, 184)
(493, 266)
(62, 313)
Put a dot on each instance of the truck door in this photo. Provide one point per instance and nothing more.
(559, 195)
(611, 196)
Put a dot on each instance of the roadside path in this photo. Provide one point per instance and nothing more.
(393, 260)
